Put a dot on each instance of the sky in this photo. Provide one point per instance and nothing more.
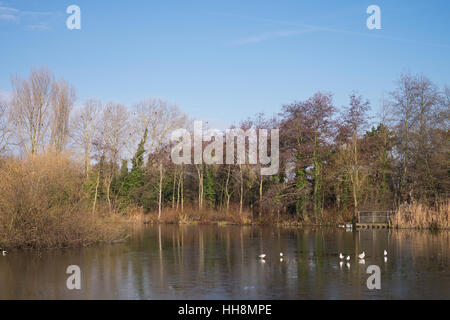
(224, 61)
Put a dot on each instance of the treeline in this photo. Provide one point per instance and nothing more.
(333, 161)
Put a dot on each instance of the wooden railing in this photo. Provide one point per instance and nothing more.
(374, 216)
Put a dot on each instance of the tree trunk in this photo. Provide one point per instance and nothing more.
(260, 196)
(355, 176)
(108, 188)
(160, 191)
(86, 163)
(96, 192)
(242, 189)
(182, 188)
(226, 190)
(200, 186)
(173, 188)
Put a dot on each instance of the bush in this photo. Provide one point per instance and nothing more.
(42, 205)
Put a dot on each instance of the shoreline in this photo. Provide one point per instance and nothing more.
(125, 224)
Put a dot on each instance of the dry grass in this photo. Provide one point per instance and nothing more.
(206, 216)
(42, 205)
(420, 216)
(412, 216)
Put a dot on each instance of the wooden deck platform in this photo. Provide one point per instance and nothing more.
(372, 225)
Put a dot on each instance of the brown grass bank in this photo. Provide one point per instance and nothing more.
(42, 205)
(413, 216)
(191, 215)
(419, 216)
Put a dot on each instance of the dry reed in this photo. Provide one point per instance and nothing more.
(419, 216)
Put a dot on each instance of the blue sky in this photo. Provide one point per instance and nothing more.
(226, 60)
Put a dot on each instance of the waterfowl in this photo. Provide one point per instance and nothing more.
(4, 252)
(385, 252)
(281, 254)
(362, 255)
(348, 258)
(262, 256)
(341, 256)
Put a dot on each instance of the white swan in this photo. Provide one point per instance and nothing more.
(348, 258)
(4, 252)
(385, 252)
(262, 256)
(281, 254)
(341, 256)
(362, 255)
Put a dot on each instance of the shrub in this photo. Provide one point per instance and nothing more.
(43, 205)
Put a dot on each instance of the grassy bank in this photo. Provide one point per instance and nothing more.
(208, 216)
(43, 205)
(414, 216)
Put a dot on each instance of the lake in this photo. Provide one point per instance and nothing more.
(221, 262)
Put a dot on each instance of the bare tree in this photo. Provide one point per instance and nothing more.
(63, 97)
(112, 137)
(160, 118)
(30, 101)
(83, 131)
(355, 118)
(418, 110)
(5, 125)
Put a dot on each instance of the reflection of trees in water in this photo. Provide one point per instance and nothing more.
(423, 248)
(192, 261)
